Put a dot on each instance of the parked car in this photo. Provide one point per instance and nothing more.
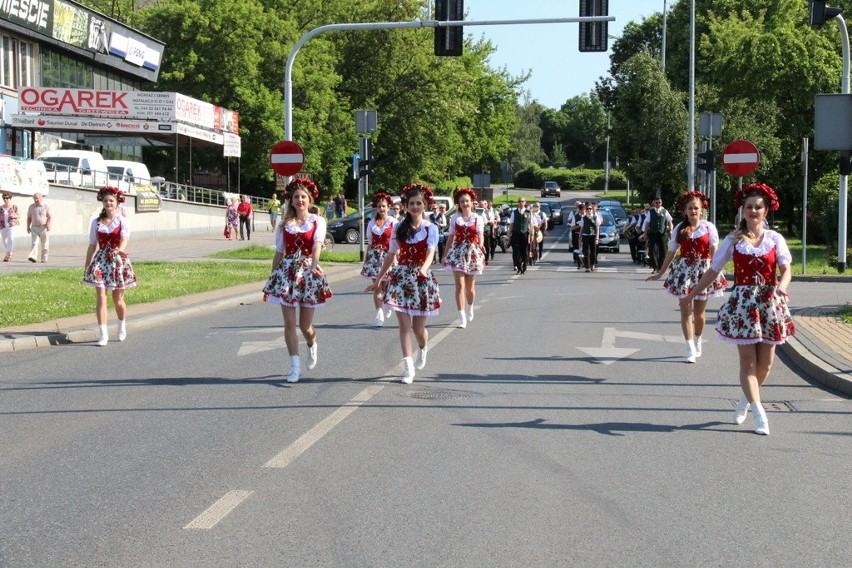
(610, 240)
(75, 167)
(555, 211)
(551, 188)
(348, 229)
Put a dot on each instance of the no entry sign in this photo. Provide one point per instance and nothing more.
(740, 158)
(287, 158)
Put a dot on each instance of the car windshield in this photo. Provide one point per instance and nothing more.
(608, 219)
(545, 208)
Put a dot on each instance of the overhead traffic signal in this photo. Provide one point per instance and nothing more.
(594, 36)
(449, 41)
(820, 12)
(706, 161)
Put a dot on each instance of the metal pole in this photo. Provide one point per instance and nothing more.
(804, 205)
(690, 164)
(842, 235)
(663, 48)
(606, 165)
(288, 68)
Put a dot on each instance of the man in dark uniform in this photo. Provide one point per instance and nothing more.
(519, 236)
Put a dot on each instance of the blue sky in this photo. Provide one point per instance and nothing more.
(550, 51)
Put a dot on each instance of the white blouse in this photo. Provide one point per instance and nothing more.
(428, 230)
(97, 226)
(293, 229)
(771, 239)
(704, 227)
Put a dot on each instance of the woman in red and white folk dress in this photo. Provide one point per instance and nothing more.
(297, 282)
(697, 240)
(410, 288)
(756, 317)
(380, 229)
(107, 265)
(465, 255)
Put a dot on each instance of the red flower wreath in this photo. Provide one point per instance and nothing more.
(107, 189)
(683, 199)
(768, 194)
(424, 189)
(304, 183)
(382, 195)
(461, 191)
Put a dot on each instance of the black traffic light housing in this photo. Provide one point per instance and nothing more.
(706, 161)
(364, 168)
(821, 12)
(449, 41)
(594, 36)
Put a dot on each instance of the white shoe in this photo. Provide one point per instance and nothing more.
(293, 377)
(421, 358)
(407, 370)
(388, 313)
(122, 331)
(741, 410)
(312, 355)
(463, 317)
(103, 340)
(690, 354)
(470, 314)
(761, 423)
(698, 347)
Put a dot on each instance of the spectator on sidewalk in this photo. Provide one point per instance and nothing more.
(244, 210)
(38, 226)
(8, 221)
(273, 207)
(231, 219)
(107, 264)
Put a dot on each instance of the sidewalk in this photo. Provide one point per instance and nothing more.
(822, 348)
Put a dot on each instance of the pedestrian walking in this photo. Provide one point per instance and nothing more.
(410, 288)
(274, 206)
(9, 219)
(697, 240)
(590, 233)
(107, 266)
(232, 219)
(298, 283)
(574, 222)
(658, 224)
(244, 210)
(756, 317)
(519, 236)
(38, 226)
(465, 254)
(379, 230)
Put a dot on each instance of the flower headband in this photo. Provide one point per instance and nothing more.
(686, 197)
(382, 195)
(415, 187)
(461, 191)
(768, 194)
(107, 189)
(305, 184)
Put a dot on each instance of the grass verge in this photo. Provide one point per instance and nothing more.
(257, 252)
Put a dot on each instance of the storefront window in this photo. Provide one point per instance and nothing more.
(17, 65)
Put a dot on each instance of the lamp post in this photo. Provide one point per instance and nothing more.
(663, 47)
(690, 158)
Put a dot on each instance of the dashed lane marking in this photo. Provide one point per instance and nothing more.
(218, 510)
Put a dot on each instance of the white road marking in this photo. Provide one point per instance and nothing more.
(255, 347)
(218, 510)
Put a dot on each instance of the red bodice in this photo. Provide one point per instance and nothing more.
(695, 248)
(300, 242)
(413, 254)
(111, 239)
(382, 241)
(750, 269)
(466, 234)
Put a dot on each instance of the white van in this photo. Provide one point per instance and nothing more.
(129, 176)
(80, 168)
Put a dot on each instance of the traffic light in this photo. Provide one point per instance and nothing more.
(706, 162)
(363, 168)
(449, 41)
(820, 12)
(594, 36)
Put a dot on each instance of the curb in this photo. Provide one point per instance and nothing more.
(816, 368)
(176, 308)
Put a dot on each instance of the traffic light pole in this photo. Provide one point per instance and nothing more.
(288, 69)
(842, 235)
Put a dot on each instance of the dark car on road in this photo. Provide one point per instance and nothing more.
(348, 229)
(610, 240)
(555, 211)
(551, 188)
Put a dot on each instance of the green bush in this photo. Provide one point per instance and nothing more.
(449, 186)
(823, 206)
(575, 179)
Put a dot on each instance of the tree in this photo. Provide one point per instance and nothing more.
(526, 142)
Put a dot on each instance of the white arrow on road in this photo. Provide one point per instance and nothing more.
(608, 353)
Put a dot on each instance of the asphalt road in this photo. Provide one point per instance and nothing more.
(561, 428)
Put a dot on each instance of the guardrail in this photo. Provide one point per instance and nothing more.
(76, 177)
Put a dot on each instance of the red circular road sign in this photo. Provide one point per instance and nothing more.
(287, 158)
(740, 158)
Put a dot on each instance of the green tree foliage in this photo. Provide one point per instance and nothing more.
(527, 140)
